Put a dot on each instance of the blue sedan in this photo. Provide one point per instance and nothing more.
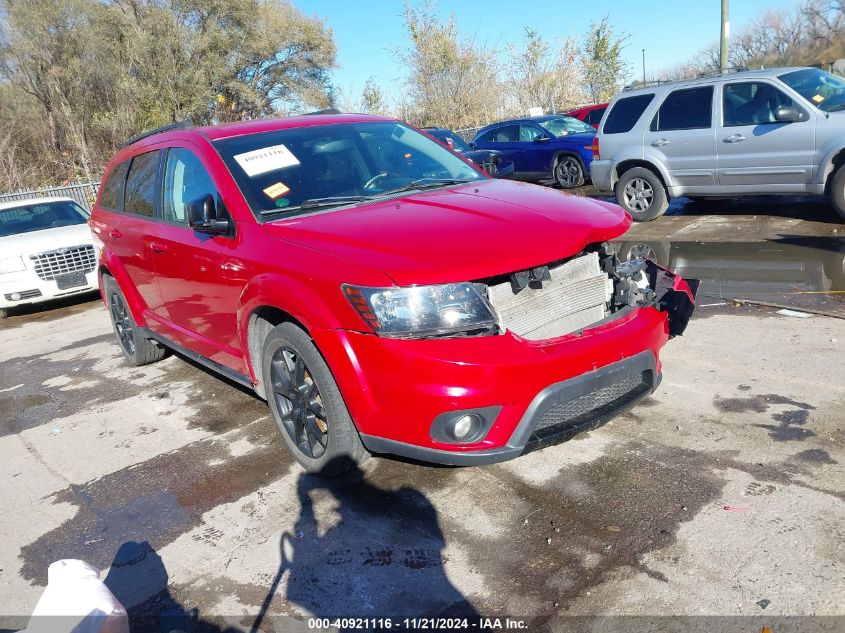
(540, 147)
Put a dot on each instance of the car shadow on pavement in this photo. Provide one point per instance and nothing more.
(358, 550)
(355, 550)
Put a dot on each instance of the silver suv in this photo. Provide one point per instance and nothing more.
(775, 131)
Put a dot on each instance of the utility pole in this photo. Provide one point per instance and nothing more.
(643, 66)
(724, 37)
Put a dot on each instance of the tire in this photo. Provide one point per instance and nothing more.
(568, 172)
(640, 192)
(656, 251)
(837, 191)
(137, 349)
(306, 404)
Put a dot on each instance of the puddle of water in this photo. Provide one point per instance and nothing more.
(793, 271)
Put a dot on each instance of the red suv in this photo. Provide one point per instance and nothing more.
(378, 290)
(589, 114)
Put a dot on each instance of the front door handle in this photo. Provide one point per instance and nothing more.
(158, 247)
(660, 142)
(735, 138)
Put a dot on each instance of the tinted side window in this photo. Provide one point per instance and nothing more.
(595, 116)
(185, 180)
(111, 188)
(689, 109)
(140, 196)
(625, 113)
(751, 103)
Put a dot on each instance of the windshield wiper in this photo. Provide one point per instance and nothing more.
(426, 183)
(334, 201)
(316, 203)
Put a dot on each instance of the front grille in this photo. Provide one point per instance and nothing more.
(25, 294)
(595, 404)
(50, 264)
(575, 297)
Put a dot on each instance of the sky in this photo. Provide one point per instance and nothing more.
(671, 32)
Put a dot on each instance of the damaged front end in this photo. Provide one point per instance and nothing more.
(641, 282)
(585, 291)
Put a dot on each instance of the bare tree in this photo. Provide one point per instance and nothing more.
(451, 81)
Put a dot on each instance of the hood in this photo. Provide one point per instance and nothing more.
(460, 233)
(25, 244)
(583, 138)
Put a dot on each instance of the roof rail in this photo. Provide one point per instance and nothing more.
(180, 125)
(709, 73)
(326, 111)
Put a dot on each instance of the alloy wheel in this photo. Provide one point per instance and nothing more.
(122, 323)
(638, 195)
(567, 172)
(299, 402)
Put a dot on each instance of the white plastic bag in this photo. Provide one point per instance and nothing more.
(76, 601)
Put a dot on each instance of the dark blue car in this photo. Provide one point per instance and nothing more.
(540, 147)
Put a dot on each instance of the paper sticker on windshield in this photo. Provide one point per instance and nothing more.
(260, 161)
(818, 98)
(274, 191)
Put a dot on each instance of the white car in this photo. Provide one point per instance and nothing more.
(46, 251)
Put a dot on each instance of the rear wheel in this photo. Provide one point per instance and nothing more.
(136, 348)
(568, 172)
(837, 191)
(306, 404)
(640, 192)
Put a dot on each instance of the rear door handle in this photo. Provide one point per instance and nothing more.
(735, 138)
(158, 247)
(114, 233)
(660, 142)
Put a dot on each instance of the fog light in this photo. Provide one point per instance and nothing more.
(463, 426)
(15, 296)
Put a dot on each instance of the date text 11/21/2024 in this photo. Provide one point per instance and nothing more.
(417, 624)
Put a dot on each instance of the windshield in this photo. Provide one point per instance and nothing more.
(451, 139)
(823, 90)
(37, 217)
(562, 126)
(298, 170)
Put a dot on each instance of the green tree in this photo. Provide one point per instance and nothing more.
(372, 98)
(601, 60)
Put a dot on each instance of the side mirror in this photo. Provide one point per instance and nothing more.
(202, 217)
(472, 145)
(786, 114)
(541, 139)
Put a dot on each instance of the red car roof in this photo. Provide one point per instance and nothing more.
(227, 130)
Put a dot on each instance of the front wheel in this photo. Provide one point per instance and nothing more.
(568, 172)
(640, 192)
(306, 404)
(837, 191)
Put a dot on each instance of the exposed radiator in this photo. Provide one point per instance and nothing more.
(576, 297)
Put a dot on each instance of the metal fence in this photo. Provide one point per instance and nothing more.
(84, 193)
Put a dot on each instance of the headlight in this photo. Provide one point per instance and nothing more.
(11, 265)
(421, 311)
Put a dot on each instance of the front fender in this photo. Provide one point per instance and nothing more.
(826, 165)
(316, 304)
(111, 264)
